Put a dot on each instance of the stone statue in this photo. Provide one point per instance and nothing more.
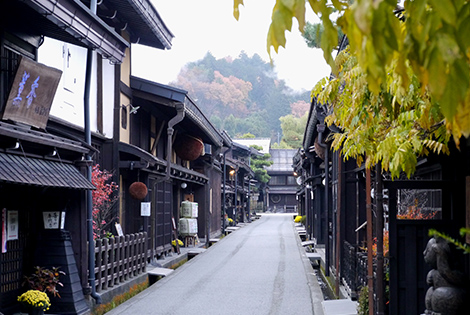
(448, 293)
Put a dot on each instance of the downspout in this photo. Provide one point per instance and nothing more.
(89, 195)
(236, 194)
(321, 130)
(208, 212)
(224, 211)
(175, 120)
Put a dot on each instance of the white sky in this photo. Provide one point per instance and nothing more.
(209, 25)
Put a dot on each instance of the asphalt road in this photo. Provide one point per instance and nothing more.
(259, 269)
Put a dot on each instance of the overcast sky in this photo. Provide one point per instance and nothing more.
(209, 25)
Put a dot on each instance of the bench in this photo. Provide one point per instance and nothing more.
(154, 273)
(212, 241)
(231, 229)
(302, 234)
(194, 252)
(308, 243)
(314, 257)
(190, 241)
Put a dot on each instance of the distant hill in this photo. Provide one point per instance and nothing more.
(242, 95)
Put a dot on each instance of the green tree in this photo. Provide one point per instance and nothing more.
(430, 46)
(258, 164)
(313, 33)
(392, 127)
(245, 87)
(293, 130)
(281, 145)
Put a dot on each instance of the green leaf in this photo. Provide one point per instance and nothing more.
(446, 10)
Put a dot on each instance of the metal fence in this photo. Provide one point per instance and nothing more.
(354, 271)
(118, 259)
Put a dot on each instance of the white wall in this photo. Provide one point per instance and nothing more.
(68, 102)
(108, 98)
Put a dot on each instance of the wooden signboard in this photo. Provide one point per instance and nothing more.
(32, 93)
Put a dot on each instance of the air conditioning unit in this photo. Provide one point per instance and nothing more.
(207, 149)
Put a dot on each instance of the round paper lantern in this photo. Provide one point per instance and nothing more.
(138, 190)
(188, 147)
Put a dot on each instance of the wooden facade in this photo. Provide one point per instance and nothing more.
(51, 146)
(334, 196)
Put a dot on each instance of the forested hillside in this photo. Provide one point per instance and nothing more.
(242, 95)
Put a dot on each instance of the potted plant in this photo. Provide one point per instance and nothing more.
(180, 243)
(35, 301)
(45, 280)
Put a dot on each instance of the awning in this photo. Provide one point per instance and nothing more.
(37, 172)
(74, 19)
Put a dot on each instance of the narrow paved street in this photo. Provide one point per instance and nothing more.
(259, 269)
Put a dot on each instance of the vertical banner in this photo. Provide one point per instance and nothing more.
(4, 230)
(12, 227)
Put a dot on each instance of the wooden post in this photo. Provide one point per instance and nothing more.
(175, 233)
(370, 266)
(380, 293)
(467, 205)
(338, 222)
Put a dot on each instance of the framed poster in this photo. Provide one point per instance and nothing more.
(51, 219)
(145, 209)
(12, 225)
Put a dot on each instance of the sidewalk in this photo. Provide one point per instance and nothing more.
(259, 269)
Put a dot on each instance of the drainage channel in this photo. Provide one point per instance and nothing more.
(327, 295)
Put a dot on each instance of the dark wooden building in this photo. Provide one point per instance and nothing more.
(336, 196)
(282, 186)
(174, 150)
(43, 158)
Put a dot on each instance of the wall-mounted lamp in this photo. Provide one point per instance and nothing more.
(16, 145)
(132, 109)
(295, 174)
(232, 172)
(184, 185)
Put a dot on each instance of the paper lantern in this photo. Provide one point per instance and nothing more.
(188, 147)
(138, 190)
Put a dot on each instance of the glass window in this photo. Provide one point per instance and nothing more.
(291, 180)
(277, 180)
(419, 204)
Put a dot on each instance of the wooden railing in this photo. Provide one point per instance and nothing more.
(118, 259)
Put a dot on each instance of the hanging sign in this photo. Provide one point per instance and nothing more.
(32, 93)
(12, 227)
(145, 209)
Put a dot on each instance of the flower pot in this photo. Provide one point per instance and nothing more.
(36, 311)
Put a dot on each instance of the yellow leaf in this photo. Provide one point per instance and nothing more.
(236, 11)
